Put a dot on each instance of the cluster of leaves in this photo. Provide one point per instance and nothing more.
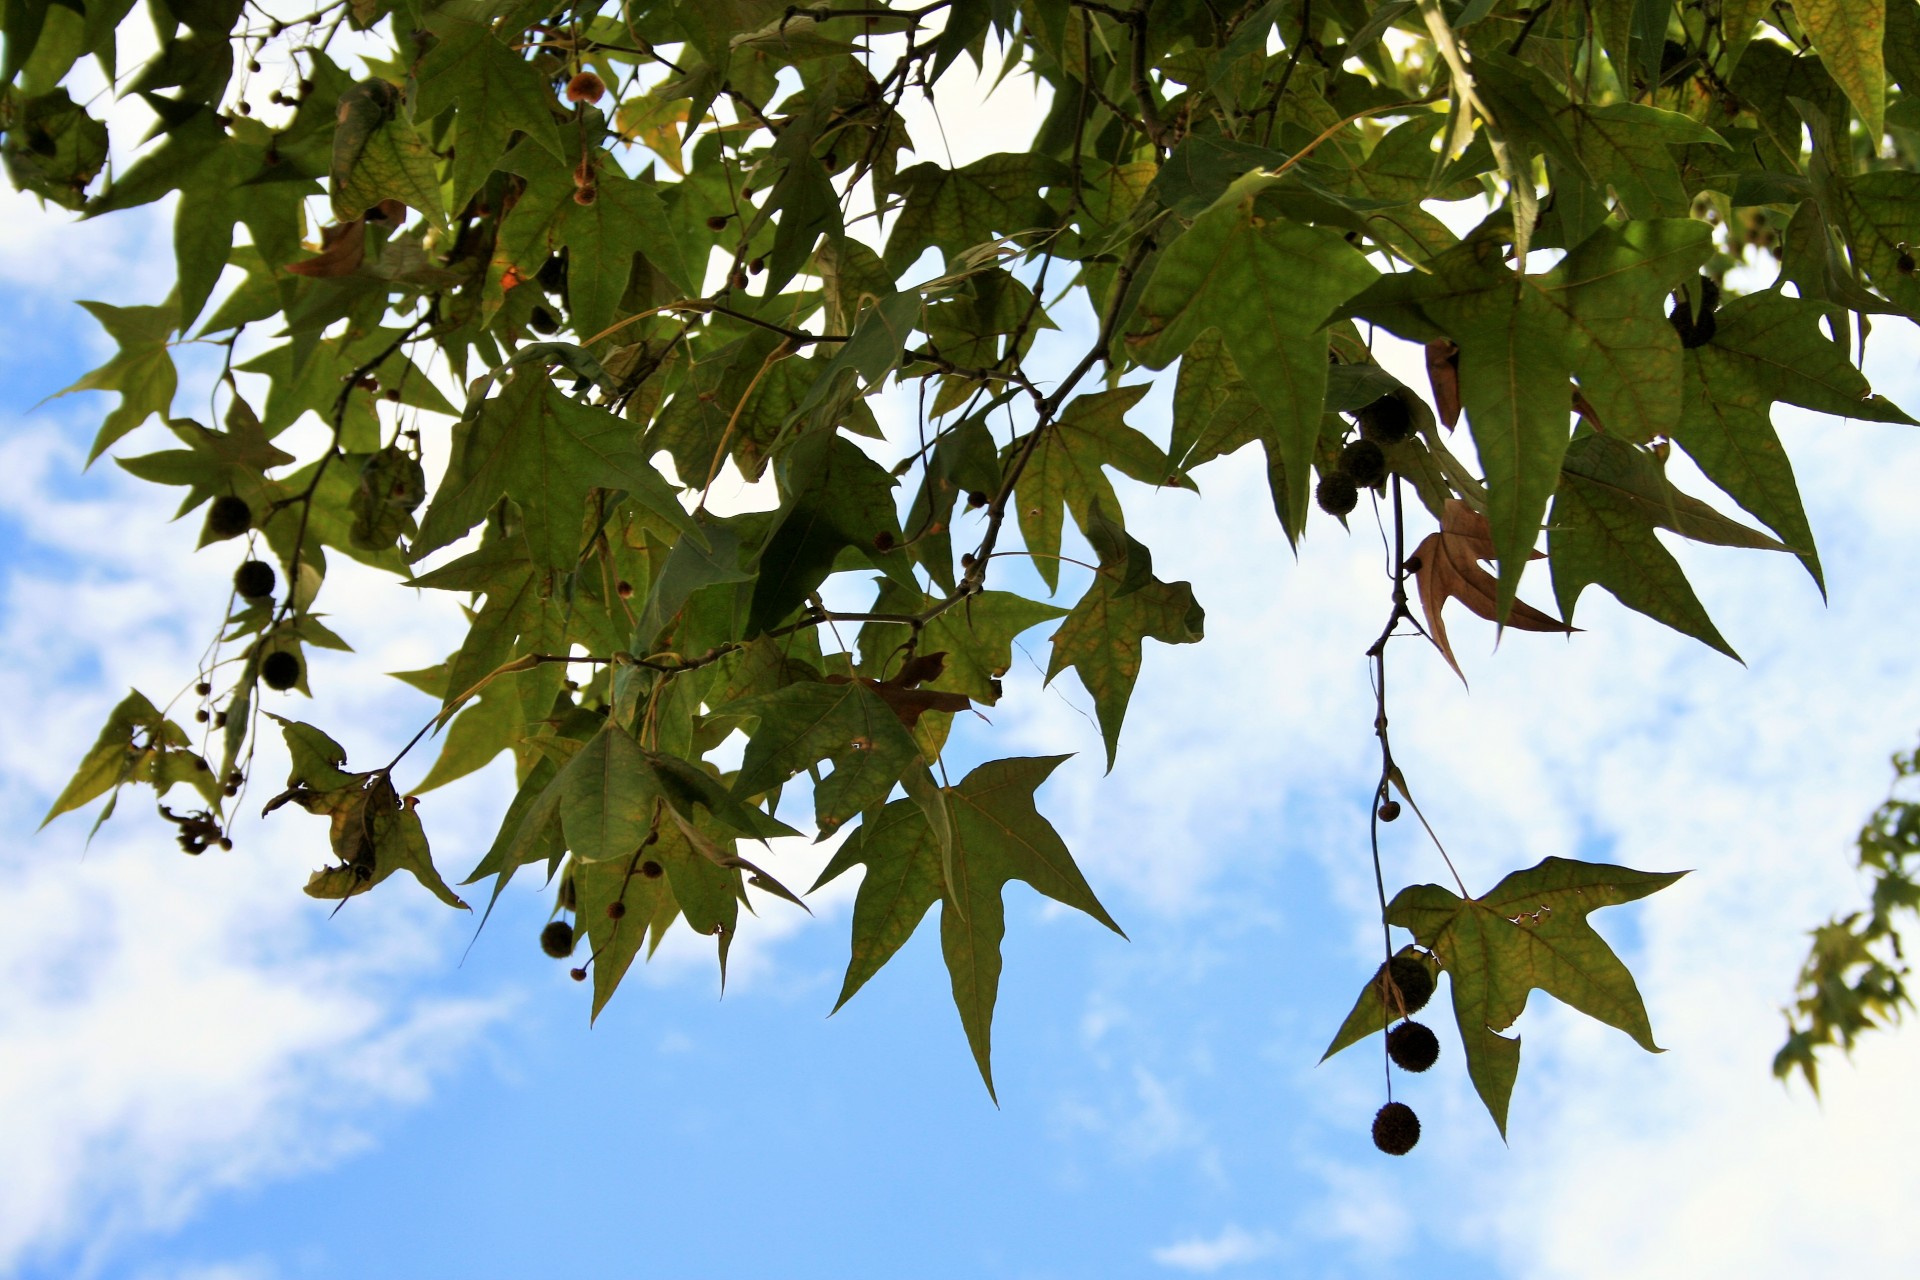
(660, 238)
(1855, 976)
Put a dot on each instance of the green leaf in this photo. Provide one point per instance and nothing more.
(1601, 532)
(493, 92)
(53, 147)
(1767, 347)
(804, 723)
(544, 450)
(1514, 368)
(1613, 289)
(1268, 285)
(394, 163)
(1065, 471)
(601, 238)
(956, 209)
(998, 835)
(836, 498)
(1102, 638)
(976, 636)
(141, 371)
(1530, 932)
(1883, 224)
(1848, 35)
(137, 744)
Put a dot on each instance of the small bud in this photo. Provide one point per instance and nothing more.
(615, 910)
(578, 975)
(718, 222)
(1389, 810)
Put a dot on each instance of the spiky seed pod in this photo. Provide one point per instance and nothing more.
(280, 670)
(1696, 331)
(1413, 980)
(254, 579)
(1364, 463)
(1387, 420)
(1389, 810)
(1413, 1046)
(228, 517)
(557, 939)
(1337, 495)
(586, 87)
(1396, 1128)
(203, 688)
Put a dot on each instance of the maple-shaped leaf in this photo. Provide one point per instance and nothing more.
(955, 209)
(1102, 638)
(374, 833)
(233, 461)
(976, 636)
(1767, 347)
(137, 744)
(1529, 932)
(245, 178)
(141, 371)
(640, 887)
(1450, 569)
(493, 90)
(997, 836)
(1065, 471)
(1268, 284)
(836, 498)
(848, 723)
(1612, 497)
(545, 450)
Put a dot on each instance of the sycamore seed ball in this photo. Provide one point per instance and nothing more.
(254, 579)
(1364, 463)
(1386, 420)
(557, 939)
(1413, 1046)
(1415, 983)
(1337, 495)
(1396, 1128)
(1389, 810)
(228, 517)
(280, 670)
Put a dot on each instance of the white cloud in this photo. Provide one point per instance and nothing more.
(1233, 1246)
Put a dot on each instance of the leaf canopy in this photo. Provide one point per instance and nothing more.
(644, 258)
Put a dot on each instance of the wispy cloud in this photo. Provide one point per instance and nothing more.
(1203, 1255)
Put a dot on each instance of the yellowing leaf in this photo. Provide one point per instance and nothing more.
(1848, 36)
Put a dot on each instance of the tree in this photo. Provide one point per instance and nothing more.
(658, 239)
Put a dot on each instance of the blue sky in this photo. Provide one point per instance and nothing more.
(205, 1078)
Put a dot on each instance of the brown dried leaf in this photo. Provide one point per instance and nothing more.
(342, 248)
(909, 703)
(1443, 372)
(1450, 569)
